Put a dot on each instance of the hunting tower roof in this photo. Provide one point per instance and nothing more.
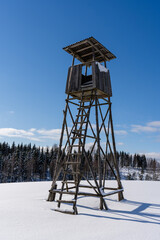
(85, 49)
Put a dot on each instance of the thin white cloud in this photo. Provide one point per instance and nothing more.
(17, 133)
(120, 143)
(154, 124)
(150, 127)
(121, 126)
(53, 134)
(50, 132)
(32, 129)
(140, 128)
(9, 132)
(31, 134)
(120, 132)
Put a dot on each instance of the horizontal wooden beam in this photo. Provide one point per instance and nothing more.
(85, 48)
(86, 186)
(111, 193)
(76, 44)
(72, 102)
(87, 54)
(73, 193)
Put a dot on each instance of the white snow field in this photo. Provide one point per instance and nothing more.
(26, 215)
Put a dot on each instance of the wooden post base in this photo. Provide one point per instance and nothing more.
(52, 195)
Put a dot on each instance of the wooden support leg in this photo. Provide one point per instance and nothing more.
(101, 203)
(98, 150)
(120, 196)
(52, 195)
(105, 205)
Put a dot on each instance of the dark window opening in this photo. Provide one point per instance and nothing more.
(86, 79)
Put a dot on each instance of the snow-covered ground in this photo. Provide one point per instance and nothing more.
(26, 215)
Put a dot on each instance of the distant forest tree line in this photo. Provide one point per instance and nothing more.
(30, 163)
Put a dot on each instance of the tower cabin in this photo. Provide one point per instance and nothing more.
(90, 74)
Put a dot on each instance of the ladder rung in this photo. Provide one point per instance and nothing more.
(72, 172)
(66, 201)
(76, 145)
(74, 154)
(84, 115)
(83, 107)
(81, 122)
(67, 163)
(82, 136)
(78, 130)
(65, 211)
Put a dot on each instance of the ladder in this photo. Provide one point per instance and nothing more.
(74, 161)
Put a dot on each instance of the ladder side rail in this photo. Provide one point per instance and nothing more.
(66, 166)
(58, 166)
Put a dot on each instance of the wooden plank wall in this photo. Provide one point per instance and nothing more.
(101, 80)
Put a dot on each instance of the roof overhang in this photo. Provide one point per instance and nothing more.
(87, 48)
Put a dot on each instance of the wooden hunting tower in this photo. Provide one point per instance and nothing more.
(88, 90)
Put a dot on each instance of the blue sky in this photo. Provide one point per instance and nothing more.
(33, 67)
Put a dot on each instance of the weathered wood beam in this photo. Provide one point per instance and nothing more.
(86, 186)
(87, 54)
(76, 55)
(67, 131)
(99, 51)
(72, 102)
(73, 193)
(113, 192)
(115, 156)
(71, 114)
(85, 48)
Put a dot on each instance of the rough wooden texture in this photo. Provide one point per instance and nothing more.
(84, 49)
(99, 80)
